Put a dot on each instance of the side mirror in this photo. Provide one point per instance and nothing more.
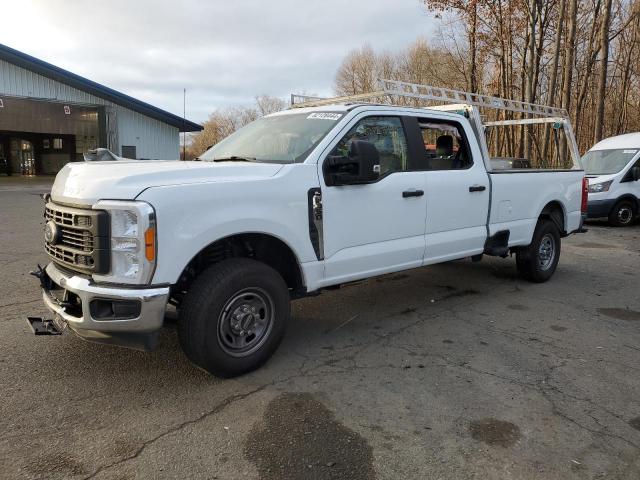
(99, 155)
(635, 173)
(361, 166)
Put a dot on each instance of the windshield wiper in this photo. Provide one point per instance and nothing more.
(235, 158)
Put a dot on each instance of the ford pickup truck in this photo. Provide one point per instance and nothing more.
(295, 202)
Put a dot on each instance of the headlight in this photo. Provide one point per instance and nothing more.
(600, 187)
(133, 241)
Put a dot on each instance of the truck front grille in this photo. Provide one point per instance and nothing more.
(81, 240)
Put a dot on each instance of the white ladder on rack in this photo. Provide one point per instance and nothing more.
(388, 88)
(435, 94)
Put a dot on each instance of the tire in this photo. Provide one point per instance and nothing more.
(234, 317)
(537, 262)
(622, 214)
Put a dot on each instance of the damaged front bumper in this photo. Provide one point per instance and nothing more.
(129, 317)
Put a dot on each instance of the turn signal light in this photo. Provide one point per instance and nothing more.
(150, 244)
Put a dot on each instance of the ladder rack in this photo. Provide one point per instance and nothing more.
(449, 99)
(388, 88)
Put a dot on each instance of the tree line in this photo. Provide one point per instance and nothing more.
(581, 55)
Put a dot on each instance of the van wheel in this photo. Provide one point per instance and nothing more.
(234, 317)
(538, 261)
(622, 214)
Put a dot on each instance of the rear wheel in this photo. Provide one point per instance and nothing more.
(538, 261)
(622, 214)
(234, 317)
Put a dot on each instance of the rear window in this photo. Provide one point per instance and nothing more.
(446, 148)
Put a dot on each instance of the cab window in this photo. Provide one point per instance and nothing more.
(386, 134)
(445, 146)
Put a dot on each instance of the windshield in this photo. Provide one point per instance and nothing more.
(607, 162)
(279, 139)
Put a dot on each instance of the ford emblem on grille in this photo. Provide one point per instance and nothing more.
(51, 233)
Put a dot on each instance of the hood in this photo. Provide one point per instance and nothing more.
(88, 182)
(600, 178)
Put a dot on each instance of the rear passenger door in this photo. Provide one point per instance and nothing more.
(457, 191)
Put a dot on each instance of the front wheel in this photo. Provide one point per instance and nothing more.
(538, 261)
(234, 317)
(622, 214)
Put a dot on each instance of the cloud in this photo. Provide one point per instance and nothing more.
(223, 52)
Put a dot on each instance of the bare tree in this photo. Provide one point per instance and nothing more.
(266, 104)
(553, 74)
(604, 63)
(357, 73)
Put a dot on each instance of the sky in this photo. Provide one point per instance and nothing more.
(224, 52)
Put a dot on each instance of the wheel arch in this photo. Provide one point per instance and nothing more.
(554, 211)
(264, 247)
(627, 196)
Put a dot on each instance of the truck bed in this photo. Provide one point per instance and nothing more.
(519, 195)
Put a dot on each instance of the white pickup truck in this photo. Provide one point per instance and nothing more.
(293, 203)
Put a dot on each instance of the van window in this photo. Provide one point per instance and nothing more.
(607, 162)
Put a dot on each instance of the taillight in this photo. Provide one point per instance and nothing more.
(585, 194)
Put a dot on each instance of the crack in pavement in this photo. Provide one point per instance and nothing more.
(556, 410)
(632, 347)
(545, 387)
(14, 304)
(540, 388)
(176, 428)
(215, 410)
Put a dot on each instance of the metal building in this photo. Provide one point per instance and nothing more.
(50, 116)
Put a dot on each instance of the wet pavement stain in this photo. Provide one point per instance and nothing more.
(447, 341)
(447, 287)
(460, 293)
(621, 314)
(635, 423)
(506, 273)
(520, 308)
(392, 278)
(301, 439)
(594, 245)
(558, 328)
(495, 432)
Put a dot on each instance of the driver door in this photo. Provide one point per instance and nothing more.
(376, 227)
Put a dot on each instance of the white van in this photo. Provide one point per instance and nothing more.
(613, 169)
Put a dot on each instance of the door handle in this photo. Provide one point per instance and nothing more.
(412, 193)
(477, 188)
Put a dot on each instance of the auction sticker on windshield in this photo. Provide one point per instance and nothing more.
(325, 116)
